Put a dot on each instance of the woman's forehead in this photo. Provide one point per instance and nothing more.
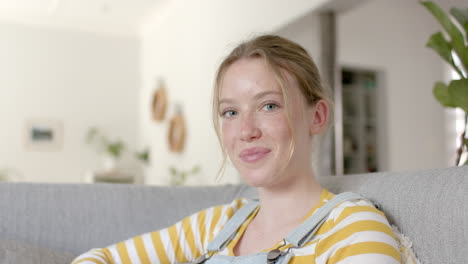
(253, 78)
(248, 77)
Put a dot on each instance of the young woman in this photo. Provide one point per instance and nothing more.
(268, 107)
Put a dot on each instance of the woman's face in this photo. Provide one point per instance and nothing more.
(254, 125)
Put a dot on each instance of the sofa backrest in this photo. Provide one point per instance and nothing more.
(74, 218)
(427, 205)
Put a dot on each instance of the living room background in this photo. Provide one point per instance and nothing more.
(85, 78)
(81, 79)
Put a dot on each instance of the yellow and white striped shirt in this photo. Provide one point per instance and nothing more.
(354, 232)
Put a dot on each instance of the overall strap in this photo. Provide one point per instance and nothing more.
(299, 236)
(231, 227)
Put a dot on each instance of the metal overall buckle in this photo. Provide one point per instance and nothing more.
(202, 258)
(274, 255)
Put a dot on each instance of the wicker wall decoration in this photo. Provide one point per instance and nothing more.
(177, 133)
(159, 104)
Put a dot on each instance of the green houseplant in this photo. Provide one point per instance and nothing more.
(452, 47)
(143, 156)
(113, 149)
(179, 177)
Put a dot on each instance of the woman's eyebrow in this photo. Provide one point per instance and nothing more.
(256, 97)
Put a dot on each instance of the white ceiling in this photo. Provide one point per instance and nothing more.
(122, 17)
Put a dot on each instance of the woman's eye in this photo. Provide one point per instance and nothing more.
(270, 106)
(229, 113)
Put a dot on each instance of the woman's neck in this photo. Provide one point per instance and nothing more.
(288, 203)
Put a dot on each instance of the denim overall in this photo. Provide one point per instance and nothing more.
(296, 238)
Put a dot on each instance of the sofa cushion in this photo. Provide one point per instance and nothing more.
(86, 216)
(20, 252)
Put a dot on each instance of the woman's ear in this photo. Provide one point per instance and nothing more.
(319, 115)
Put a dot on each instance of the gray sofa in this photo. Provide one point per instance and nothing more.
(53, 223)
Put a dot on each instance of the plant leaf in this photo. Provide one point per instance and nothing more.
(456, 36)
(458, 91)
(91, 135)
(144, 156)
(438, 43)
(195, 169)
(444, 20)
(462, 54)
(460, 14)
(441, 93)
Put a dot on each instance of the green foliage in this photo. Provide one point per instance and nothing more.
(102, 143)
(461, 15)
(456, 93)
(456, 36)
(179, 177)
(115, 148)
(143, 156)
(438, 43)
(442, 95)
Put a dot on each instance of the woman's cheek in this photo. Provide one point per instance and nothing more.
(279, 124)
(228, 134)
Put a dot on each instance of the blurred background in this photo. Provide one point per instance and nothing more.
(120, 90)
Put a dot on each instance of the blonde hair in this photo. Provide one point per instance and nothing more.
(285, 58)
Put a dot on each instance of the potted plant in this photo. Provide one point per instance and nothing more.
(143, 156)
(452, 47)
(111, 150)
(179, 177)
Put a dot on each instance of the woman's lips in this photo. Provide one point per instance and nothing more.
(253, 154)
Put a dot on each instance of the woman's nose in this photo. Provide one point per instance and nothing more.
(249, 129)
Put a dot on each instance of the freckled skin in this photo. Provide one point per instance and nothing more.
(257, 124)
(253, 114)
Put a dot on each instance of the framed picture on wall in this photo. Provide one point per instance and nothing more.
(43, 135)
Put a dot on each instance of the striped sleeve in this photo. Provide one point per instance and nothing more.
(182, 242)
(358, 233)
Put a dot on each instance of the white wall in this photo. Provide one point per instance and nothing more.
(390, 36)
(306, 31)
(414, 127)
(86, 79)
(82, 79)
(183, 45)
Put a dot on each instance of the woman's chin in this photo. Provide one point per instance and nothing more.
(256, 179)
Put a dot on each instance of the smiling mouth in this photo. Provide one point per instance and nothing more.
(254, 156)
